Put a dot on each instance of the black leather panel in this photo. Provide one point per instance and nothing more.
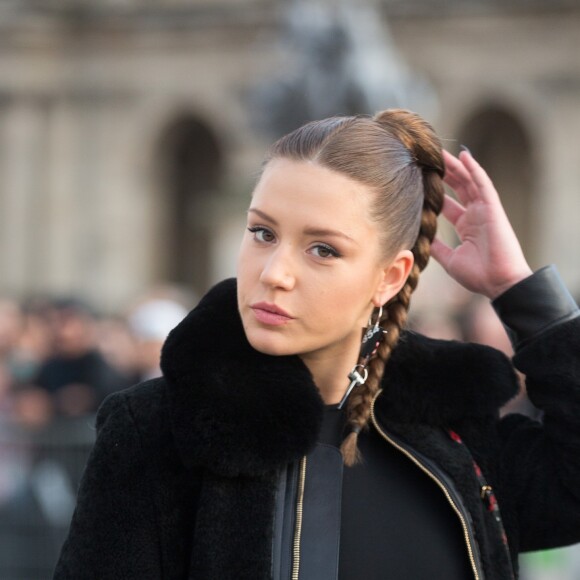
(535, 305)
(284, 522)
(321, 510)
(320, 540)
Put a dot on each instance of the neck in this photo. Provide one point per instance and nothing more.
(330, 370)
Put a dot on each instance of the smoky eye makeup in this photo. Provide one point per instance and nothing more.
(326, 251)
(262, 234)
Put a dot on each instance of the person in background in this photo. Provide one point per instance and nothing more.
(150, 322)
(115, 340)
(76, 376)
(10, 330)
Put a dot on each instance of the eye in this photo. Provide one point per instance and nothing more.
(262, 234)
(324, 251)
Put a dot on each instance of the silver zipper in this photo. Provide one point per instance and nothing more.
(430, 474)
(298, 526)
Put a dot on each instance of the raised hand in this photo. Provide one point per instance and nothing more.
(489, 259)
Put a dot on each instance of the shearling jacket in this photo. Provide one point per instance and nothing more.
(183, 478)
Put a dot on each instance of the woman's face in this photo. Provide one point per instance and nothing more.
(310, 268)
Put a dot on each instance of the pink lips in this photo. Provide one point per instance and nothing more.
(270, 314)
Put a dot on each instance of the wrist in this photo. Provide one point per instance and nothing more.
(514, 278)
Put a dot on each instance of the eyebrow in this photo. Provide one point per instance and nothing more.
(310, 231)
(263, 215)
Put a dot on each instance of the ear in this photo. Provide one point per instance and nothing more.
(393, 277)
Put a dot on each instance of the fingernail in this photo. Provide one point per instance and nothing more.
(464, 148)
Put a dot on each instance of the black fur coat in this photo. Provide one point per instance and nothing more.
(181, 481)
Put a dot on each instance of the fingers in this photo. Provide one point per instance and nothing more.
(459, 179)
(441, 252)
(485, 188)
(452, 209)
(468, 179)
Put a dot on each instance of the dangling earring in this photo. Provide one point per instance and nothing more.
(372, 337)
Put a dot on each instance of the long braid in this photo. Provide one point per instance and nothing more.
(420, 139)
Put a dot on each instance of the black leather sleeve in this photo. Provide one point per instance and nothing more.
(534, 306)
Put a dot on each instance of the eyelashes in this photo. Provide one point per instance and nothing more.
(320, 250)
(259, 233)
(327, 251)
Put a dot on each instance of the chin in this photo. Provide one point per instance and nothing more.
(267, 342)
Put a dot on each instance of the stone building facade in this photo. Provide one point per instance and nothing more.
(129, 141)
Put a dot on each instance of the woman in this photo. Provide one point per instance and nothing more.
(229, 466)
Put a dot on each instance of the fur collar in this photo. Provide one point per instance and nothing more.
(241, 412)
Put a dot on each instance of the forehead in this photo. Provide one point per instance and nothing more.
(308, 191)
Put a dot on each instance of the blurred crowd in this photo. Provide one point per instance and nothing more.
(60, 358)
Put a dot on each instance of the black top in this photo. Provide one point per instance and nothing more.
(396, 522)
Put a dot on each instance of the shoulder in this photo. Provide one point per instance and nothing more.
(141, 410)
(439, 381)
(440, 357)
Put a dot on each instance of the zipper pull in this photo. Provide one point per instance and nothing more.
(488, 498)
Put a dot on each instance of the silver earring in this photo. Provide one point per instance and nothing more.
(372, 337)
(379, 316)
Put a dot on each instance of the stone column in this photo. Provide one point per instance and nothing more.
(61, 186)
(121, 248)
(22, 219)
(559, 210)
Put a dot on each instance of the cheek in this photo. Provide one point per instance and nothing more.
(242, 257)
(341, 307)
(247, 264)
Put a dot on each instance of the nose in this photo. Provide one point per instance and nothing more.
(278, 271)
